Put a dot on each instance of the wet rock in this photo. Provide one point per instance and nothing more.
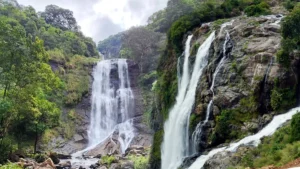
(98, 156)
(94, 166)
(64, 156)
(65, 165)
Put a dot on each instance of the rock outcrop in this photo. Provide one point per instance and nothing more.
(79, 139)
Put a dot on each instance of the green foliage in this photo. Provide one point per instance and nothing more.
(208, 11)
(234, 117)
(289, 4)
(194, 120)
(107, 160)
(148, 79)
(7, 145)
(278, 149)
(155, 159)
(259, 9)
(111, 47)
(31, 94)
(143, 46)
(295, 128)
(140, 162)
(195, 49)
(60, 18)
(291, 38)
(282, 98)
(11, 166)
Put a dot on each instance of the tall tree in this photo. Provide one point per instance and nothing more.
(60, 18)
(142, 45)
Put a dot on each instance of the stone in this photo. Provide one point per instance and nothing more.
(78, 138)
(216, 111)
(64, 156)
(54, 158)
(103, 167)
(98, 156)
(64, 165)
(127, 165)
(115, 166)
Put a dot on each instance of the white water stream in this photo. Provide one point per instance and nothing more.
(254, 140)
(198, 131)
(112, 107)
(174, 146)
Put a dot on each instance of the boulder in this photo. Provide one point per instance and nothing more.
(54, 158)
(127, 165)
(64, 156)
(115, 166)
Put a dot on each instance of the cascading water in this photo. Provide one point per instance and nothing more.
(254, 140)
(112, 107)
(198, 131)
(174, 146)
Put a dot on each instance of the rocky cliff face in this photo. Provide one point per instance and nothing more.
(245, 81)
(246, 88)
(79, 138)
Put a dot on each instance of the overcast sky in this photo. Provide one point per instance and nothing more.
(101, 18)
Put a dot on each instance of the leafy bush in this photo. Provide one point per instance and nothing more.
(7, 145)
(155, 158)
(278, 149)
(140, 162)
(291, 38)
(289, 4)
(283, 99)
(259, 9)
(107, 160)
(295, 125)
(11, 166)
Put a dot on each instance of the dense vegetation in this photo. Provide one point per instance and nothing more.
(33, 92)
(291, 38)
(277, 150)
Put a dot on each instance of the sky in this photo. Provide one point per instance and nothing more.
(101, 18)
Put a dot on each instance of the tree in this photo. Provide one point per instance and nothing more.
(142, 45)
(26, 83)
(60, 18)
(291, 37)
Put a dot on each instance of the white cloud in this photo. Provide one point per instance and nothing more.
(102, 18)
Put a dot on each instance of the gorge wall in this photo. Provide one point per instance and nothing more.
(246, 87)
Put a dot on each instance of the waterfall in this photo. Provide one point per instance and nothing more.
(112, 108)
(198, 131)
(174, 146)
(254, 140)
(112, 104)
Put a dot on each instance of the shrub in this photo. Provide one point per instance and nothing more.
(290, 4)
(291, 37)
(11, 166)
(256, 10)
(295, 128)
(107, 160)
(140, 162)
(282, 99)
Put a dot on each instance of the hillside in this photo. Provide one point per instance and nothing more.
(208, 84)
